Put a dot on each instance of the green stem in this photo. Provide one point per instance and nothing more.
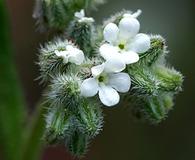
(11, 99)
(33, 142)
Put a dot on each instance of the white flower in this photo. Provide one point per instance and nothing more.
(123, 41)
(106, 81)
(81, 16)
(71, 54)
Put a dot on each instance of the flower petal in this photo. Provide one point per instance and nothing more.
(76, 56)
(134, 15)
(140, 44)
(70, 48)
(120, 81)
(130, 57)
(80, 14)
(114, 64)
(63, 54)
(108, 95)
(107, 51)
(111, 32)
(97, 70)
(89, 87)
(128, 27)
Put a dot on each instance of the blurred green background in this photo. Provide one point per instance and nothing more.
(122, 137)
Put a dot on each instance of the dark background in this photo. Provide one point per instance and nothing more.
(122, 137)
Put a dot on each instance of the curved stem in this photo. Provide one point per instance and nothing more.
(12, 108)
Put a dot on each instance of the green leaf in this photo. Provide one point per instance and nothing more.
(11, 100)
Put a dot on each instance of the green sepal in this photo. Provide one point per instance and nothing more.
(156, 53)
(49, 63)
(83, 34)
(77, 144)
(170, 79)
(64, 90)
(156, 108)
(89, 118)
(56, 14)
(58, 125)
(153, 109)
(144, 81)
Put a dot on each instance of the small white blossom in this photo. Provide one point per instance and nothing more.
(81, 16)
(123, 41)
(106, 80)
(71, 54)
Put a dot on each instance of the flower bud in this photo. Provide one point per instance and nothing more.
(55, 14)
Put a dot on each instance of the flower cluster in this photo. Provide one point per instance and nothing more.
(123, 41)
(102, 62)
(121, 47)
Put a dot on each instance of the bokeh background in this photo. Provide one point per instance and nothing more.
(122, 137)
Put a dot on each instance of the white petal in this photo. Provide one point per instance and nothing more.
(120, 81)
(58, 53)
(63, 54)
(130, 57)
(108, 95)
(97, 70)
(128, 27)
(140, 44)
(70, 48)
(134, 15)
(111, 32)
(75, 55)
(80, 14)
(86, 19)
(89, 87)
(107, 51)
(137, 13)
(114, 64)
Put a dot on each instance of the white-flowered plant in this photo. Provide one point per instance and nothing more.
(122, 44)
(102, 72)
(106, 81)
(124, 41)
(71, 54)
(81, 16)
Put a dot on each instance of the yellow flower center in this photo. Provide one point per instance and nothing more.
(121, 46)
(101, 78)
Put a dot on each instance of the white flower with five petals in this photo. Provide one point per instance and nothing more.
(106, 81)
(71, 54)
(124, 41)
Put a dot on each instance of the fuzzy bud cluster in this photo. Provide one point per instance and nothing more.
(56, 14)
(91, 66)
